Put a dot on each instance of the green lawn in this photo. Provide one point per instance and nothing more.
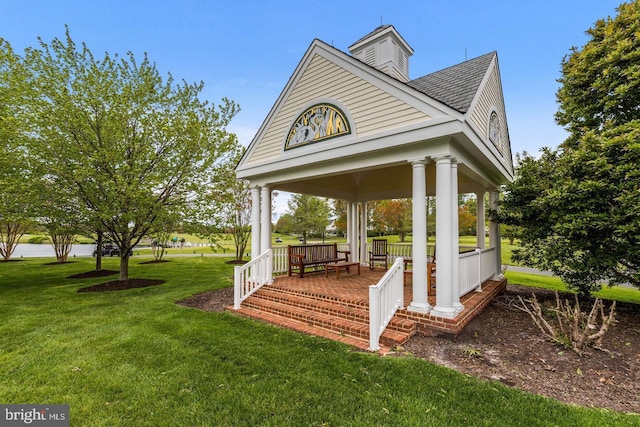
(135, 358)
(554, 283)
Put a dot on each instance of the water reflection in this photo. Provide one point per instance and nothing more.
(29, 250)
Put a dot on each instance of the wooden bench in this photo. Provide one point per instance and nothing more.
(303, 256)
(338, 265)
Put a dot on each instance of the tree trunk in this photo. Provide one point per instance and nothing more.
(62, 244)
(99, 251)
(124, 264)
(10, 234)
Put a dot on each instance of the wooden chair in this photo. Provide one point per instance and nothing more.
(431, 276)
(431, 273)
(378, 253)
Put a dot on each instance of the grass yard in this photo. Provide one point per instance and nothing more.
(554, 283)
(135, 358)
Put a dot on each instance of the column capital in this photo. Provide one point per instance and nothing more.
(444, 158)
(420, 161)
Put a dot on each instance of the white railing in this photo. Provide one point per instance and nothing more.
(488, 263)
(396, 250)
(252, 276)
(280, 260)
(385, 299)
(475, 268)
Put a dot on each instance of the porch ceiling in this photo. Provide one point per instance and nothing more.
(374, 184)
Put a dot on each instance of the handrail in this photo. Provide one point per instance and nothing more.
(252, 276)
(385, 298)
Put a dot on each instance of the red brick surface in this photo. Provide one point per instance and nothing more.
(338, 309)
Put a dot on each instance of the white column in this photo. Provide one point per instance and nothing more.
(420, 301)
(494, 233)
(353, 243)
(363, 233)
(444, 239)
(480, 233)
(255, 222)
(455, 234)
(348, 233)
(265, 222)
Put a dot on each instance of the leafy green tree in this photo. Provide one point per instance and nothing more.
(310, 214)
(340, 213)
(509, 232)
(576, 207)
(17, 196)
(285, 224)
(160, 233)
(600, 82)
(129, 143)
(393, 217)
(58, 215)
(467, 215)
(230, 204)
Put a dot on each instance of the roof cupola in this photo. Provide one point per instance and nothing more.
(385, 49)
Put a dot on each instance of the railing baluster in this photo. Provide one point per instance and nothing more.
(385, 298)
(252, 276)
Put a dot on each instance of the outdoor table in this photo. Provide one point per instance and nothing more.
(338, 265)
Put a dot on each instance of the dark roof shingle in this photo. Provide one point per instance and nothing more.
(457, 85)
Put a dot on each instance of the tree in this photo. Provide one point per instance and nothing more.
(575, 207)
(230, 202)
(467, 223)
(17, 197)
(160, 233)
(285, 224)
(310, 215)
(600, 83)
(129, 143)
(393, 217)
(61, 222)
(340, 212)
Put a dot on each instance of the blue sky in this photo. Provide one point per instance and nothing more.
(247, 50)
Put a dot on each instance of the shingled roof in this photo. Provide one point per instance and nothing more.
(457, 85)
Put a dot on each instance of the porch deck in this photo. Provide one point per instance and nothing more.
(338, 308)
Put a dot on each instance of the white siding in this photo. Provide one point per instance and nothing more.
(491, 100)
(372, 109)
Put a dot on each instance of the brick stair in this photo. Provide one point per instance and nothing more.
(329, 317)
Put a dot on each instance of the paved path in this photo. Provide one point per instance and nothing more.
(528, 270)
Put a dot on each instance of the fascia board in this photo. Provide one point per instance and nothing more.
(362, 158)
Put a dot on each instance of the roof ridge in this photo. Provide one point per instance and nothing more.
(375, 31)
(456, 85)
(477, 58)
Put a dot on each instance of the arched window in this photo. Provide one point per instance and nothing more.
(494, 130)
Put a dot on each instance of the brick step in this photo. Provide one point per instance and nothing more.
(315, 304)
(315, 296)
(398, 331)
(336, 308)
(305, 328)
(325, 320)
